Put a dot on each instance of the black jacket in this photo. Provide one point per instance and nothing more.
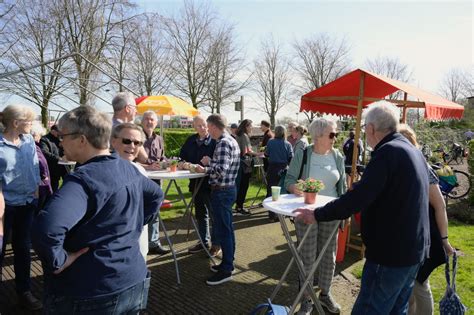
(393, 199)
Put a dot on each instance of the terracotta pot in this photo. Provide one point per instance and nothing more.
(173, 168)
(309, 197)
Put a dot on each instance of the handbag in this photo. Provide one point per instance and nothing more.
(270, 309)
(451, 303)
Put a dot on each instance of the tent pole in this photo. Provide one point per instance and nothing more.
(404, 113)
(355, 150)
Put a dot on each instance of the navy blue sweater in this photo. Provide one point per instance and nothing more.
(103, 205)
(393, 199)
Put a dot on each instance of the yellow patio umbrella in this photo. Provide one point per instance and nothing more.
(165, 105)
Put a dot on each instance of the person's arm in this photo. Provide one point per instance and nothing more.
(142, 157)
(2, 212)
(293, 173)
(53, 223)
(218, 168)
(437, 202)
(153, 197)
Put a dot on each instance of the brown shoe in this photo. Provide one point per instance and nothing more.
(215, 250)
(27, 300)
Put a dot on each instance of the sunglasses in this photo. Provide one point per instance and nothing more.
(130, 141)
(333, 135)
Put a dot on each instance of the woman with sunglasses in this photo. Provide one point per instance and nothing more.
(325, 163)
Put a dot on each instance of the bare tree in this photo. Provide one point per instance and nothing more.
(37, 38)
(320, 60)
(118, 53)
(6, 9)
(190, 39)
(457, 84)
(151, 56)
(272, 74)
(88, 27)
(391, 68)
(226, 65)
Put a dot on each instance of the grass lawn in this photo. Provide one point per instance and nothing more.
(461, 237)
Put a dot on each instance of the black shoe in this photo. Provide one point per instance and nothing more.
(27, 300)
(158, 250)
(242, 212)
(220, 277)
(216, 268)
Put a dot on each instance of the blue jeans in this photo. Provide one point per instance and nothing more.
(202, 204)
(128, 301)
(221, 203)
(385, 290)
(18, 220)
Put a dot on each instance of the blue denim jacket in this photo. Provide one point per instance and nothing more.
(19, 170)
(103, 205)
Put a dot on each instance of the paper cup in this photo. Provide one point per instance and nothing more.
(275, 193)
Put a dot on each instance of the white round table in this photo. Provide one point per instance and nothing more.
(181, 174)
(289, 202)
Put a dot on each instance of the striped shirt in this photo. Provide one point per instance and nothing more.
(224, 166)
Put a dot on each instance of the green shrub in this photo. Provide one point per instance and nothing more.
(470, 162)
(174, 140)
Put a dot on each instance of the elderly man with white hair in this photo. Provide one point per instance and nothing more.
(392, 197)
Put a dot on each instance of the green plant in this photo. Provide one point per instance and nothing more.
(173, 162)
(309, 185)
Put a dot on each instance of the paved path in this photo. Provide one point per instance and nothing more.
(261, 257)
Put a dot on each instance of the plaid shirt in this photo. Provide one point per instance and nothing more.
(224, 166)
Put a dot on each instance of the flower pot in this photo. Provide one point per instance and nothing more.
(309, 197)
(173, 168)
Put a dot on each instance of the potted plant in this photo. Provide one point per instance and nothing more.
(310, 187)
(173, 165)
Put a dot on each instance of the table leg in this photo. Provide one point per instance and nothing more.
(178, 279)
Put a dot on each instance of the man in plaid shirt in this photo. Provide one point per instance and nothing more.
(222, 170)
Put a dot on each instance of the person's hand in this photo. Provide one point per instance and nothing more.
(305, 215)
(200, 169)
(295, 190)
(205, 160)
(71, 258)
(448, 249)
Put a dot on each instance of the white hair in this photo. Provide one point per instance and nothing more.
(383, 115)
(121, 100)
(37, 129)
(317, 127)
(150, 113)
(198, 117)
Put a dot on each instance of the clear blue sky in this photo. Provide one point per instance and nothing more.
(431, 37)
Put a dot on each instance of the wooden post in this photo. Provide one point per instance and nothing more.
(355, 150)
(404, 113)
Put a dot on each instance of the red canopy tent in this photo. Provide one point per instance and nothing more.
(350, 93)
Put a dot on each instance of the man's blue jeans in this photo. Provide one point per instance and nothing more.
(221, 203)
(385, 290)
(18, 220)
(128, 301)
(202, 205)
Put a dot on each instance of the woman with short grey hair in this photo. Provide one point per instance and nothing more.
(19, 179)
(325, 163)
(279, 153)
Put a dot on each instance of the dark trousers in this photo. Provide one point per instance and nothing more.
(242, 187)
(18, 220)
(273, 179)
(202, 204)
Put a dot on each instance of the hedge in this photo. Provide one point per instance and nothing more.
(470, 161)
(174, 140)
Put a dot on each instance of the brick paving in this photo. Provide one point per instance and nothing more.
(261, 257)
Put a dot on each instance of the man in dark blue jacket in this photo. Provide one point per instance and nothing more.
(393, 199)
(87, 236)
(194, 149)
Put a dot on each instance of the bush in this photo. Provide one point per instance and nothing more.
(470, 162)
(174, 140)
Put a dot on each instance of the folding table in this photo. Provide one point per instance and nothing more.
(172, 177)
(284, 206)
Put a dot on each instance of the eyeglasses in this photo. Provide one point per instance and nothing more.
(333, 135)
(130, 141)
(62, 135)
